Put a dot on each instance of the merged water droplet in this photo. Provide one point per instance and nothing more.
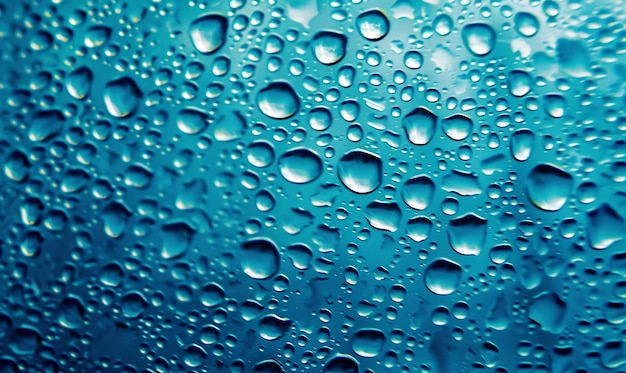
(208, 33)
(329, 47)
(443, 276)
(360, 171)
(418, 229)
(479, 38)
(278, 100)
(605, 227)
(548, 310)
(300, 165)
(372, 24)
(549, 187)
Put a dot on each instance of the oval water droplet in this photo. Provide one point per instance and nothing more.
(208, 33)
(192, 120)
(549, 187)
(278, 100)
(79, 83)
(457, 127)
(260, 154)
(479, 38)
(122, 97)
(522, 142)
(17, 166)
(368, 342)
(260, 258)
(176, 238)
(526, 24)
(443, 24)
(419, 126)
(133, 304)
(341, 364)
(360, 171)
(443, 276)
(555, 105)
(329, 47)
(413, 60)
(320, 118)
(71, 312)
(519, 83)
(300, 165)
(372, 24)
(138, 176)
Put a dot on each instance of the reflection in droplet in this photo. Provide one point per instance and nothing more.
(419, 126)
(372, 25)
(442, 276)
(192, 120)
(418, 192)
(208, 33)
(549, 187)
(467, 234)
(479, 38)
(260, 258)
(122, 97)
(457, 127)
(329, 47)
(383, 215)
(368, 342)
(278, 100)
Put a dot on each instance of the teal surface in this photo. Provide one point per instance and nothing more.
(313, 186)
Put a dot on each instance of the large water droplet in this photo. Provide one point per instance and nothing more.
(230, 126)
(208, 33)
(192, 120)
(71, 312)
(418, 192)
(122, 97)
(383, 215)
(548, 310)
(457, 127)
(360, 171)
(549, 187)
(605, 227)
(300, 166)
(519, 83)
(115, 216)
(97, 36)
(278, 100)
(329, 47)
(418, 229)
(368, 342)
(522, 142)
(46, 125)
(133, 304)
(526, 24)
(467, 234)
(177, 238)
(260, 259)
(443, 276)
(479, 38)
(341, 364)
(79, 83)
(419, 126)
(372, 25)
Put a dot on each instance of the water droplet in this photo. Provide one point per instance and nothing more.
(479, 38)
(138, 176)
(519, 83)
(97, 36)
(278, 100)
(548, 310)
(522, 142)
(194, 356)
(192, 120)
(373, 24)
(71, 312)
(457, 127)
(122, 97)
(133, 304)
(79, 83)
(419, 126)
(25, 341)
(211, 294)
(360, 171)
(443, 24)
(605, 227)
(341, 364)
(368, 342)
(176, 238)
(418, 192)
(549, 187)
(230, 126)
(17, 166)
(413, 60)
(208, 33)
(260, 154)
(555, 105)
(418, 229)
(300, 166)
(383, 215)
(467, 234)
(526, 24)
(272, 327)
(461, 183)
(443, 276)
(46, 125)
(115, 216)
(329, 47)
(320, 118)
(260, 260)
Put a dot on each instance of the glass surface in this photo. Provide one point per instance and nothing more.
(313, 186)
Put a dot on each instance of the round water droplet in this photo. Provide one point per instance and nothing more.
(457, 127)
(176, 237)
(208, 33)
(194, 356)
(368, 342)
(133, 304)
(211, 294)
(25, 341)
(122, 97)
(260, 154)
(329, 47)
(341, 364)
(278, 100)
(443, 24)
(549, 187)
(413, 60)
(192, 120)
(300, 166)
(320, 118)
(260, 258)
(519, 83)
(360, 171)
(443, 276)
(17, 166)
(555, 105)
(479, 38)
(419, 126)
(372, 25)
(526, 24)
